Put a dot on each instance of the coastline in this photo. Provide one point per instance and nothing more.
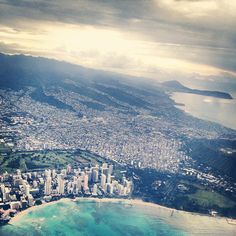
(132, 202)
(26, 211)
(190, 223)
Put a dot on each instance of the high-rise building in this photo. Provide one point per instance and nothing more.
(103, 181)
(47, 173)
(128, 185)
(27, 189)
(69, 187)
(18, 172)
(85, 185)
(95, 189)
(124, 191)
(48, 186)
(89, 173)
(123, 179)
(120, 189)
(78, 184)
(95, 175)
(110, 188)
(3, 191)
(108, 178)
(105, 171)
(110, 169)
(61, 185)
(53, 173)
(104, 165)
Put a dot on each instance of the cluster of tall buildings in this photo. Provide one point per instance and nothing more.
(95, 181)
(22, 190)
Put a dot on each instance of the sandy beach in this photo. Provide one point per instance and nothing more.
(26, 211)
(177, 218)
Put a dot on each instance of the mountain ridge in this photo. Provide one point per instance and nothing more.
(176, 86)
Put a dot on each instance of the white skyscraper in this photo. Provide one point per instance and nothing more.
(78, 184)
(85, 185)
(47, 173)
(103, 181)
(53, 173)
(108, 178)
(47, 186)
(61, 185)
(105, 171)
(90, 174)
(27, 189)
(110, 169)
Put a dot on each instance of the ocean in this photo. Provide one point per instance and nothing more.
(119, 218)
(89, 218)
(222, 111)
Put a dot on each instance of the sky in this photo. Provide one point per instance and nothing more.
(148, 38)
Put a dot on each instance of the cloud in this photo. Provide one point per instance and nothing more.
(148, 34)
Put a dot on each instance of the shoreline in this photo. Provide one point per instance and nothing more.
(29, 209)
(135, 201)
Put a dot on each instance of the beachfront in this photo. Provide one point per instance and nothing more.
(190, 222)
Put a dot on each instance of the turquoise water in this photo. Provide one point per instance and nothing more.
(90, 218)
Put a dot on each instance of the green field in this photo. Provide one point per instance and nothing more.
(209, 199)
(36, 160)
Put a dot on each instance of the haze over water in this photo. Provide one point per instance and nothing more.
(222, 111)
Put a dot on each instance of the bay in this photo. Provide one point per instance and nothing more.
(222, 111)
(112, 217)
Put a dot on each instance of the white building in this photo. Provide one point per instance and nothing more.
(78, 184)
(110, 169)
(61, 185)
(3, 191)
(108, 178)
(103, 181)
(85, 185)
(95, 175)
(95, 189)
(48, 186)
